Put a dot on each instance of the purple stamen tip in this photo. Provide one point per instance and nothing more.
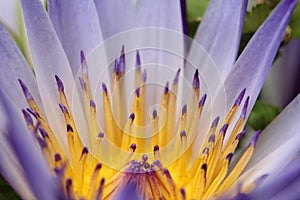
(255, 138)
(138, 60)
(166, 89)
(82, 83)
(137, 92)
(100, 134)
(25, 90)
(215, 122)
(27, 117)
(144, 75)
(57, 157)
(244, 111)
(104, 88)
(116, 67)
(224, 129)
(202, 100)
(35, 114)
(133, 147)
(240, 97)
(167, 173)
(83, 62)
(144, 157)
(69, 128)
(68, 183)
(132, 116)
(63, 108)
(196, 81)
(102, 181)
(184, 110)
(122, 61)
(92, 104)
(156, 148)
(182, 191)
(176, 78)
(154, 114)
(241, 134)
(84, 151)
(183, 133)
(98, 166)
(60, 85)
(43, 133)
(204, 167)
(229, 157)
(212, 138)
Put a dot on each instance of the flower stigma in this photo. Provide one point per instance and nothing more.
(83, 175)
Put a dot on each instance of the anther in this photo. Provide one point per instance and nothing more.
(133, 147)
(166, 89)
(100, 135)
(241, 134)
(69, 128)
(156, 148)
(104, 88)
(138, 60)
(59, 83)
(196, 81)
(33, 113)
(27, 117)
(184, 109)
(25, 90)
(215, 122)
(176, 78)
(57, 157)
(244, 111)
(240, 97)
(255, 138)
(92, 104)
(224, 129)
(154, 114)
(132, 116)
(63, 108)
(83, 62)
(202, 101)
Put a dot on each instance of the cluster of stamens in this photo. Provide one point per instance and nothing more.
(82, 175)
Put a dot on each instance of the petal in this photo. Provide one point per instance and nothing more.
(280, 185)
(77, 26)
(255, 61)
(37, 172)
(13, 67)
(278, 144)
(122, 15)
(278, 90)
(8, 16)
(49, 59)
(219, 34)
(10, 167)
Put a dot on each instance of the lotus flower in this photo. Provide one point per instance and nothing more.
(76, 126)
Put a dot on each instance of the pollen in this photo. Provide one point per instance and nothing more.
(142, 158)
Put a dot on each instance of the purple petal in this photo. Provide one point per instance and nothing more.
(13, 67)
(49, 59)
(278, 144)
(122, 15)
(254, 63)
(37, 172)
(219, 34)
(280, 184)
(77, 26)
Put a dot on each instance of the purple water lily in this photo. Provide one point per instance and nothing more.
(153, 121)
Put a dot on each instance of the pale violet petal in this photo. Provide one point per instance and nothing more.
(278, 144)
(77, 26)
(10, 167)
(254, 63)
(122, 15)
(49, 59)
(219, 34)
(13, 67)
(39, 178)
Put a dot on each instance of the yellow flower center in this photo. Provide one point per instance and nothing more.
(82, 173)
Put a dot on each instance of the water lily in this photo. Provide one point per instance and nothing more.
(67, 131)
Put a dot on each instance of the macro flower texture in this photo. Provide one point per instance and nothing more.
(119, 103)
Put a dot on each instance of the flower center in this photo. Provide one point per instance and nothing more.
(126, 143)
